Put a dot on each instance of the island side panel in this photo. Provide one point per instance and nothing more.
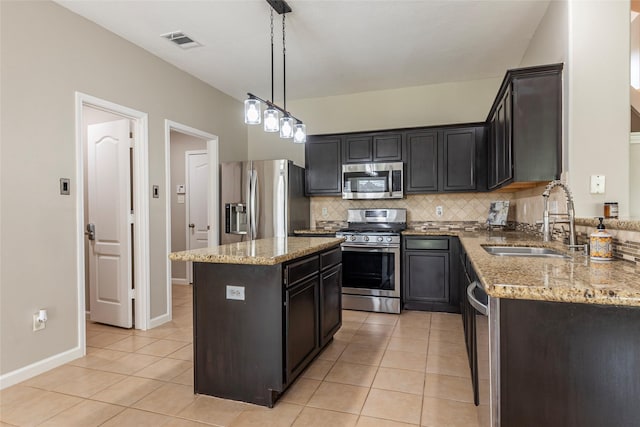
(238, 344)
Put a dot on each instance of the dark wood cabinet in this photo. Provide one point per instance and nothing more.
(449, 159)
(330, 294)
(257, 327)
(330, 303)
(525, 122)
(568, 365)
(421, 168)
(323, 166)
(372, 147)
(427, 280)
(303, 333)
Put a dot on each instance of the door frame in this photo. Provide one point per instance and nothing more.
(186, 201)
(141, 193)
(214, 195)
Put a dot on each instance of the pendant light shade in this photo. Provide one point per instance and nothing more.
(252, 114)
(271, 123)
(286, 127)
(300, 133)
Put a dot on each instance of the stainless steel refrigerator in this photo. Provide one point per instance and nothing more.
(260, 199)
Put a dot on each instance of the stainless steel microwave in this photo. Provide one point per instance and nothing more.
(372, 181)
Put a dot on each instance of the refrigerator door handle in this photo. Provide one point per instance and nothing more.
(254, 204)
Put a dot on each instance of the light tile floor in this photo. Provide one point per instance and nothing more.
(381, 370)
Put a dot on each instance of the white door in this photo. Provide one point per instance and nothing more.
(197, 179)
(109, 197)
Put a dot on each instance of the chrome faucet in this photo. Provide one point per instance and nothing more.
(546, 228)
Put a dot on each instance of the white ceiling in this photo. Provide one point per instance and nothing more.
(333, 47)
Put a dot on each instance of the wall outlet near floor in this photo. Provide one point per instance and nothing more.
(439, 211)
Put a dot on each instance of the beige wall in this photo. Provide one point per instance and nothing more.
(598, 123)
(48, 53)
(458, 102)
(180, 143)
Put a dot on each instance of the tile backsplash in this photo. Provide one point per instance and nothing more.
(420, 208)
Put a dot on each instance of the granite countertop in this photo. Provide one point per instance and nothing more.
(258, 252)
(576, 280)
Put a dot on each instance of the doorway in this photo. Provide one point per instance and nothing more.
(122, 146)
(192, 195)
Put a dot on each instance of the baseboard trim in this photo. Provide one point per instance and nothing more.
(37, 368)
(176, 281)
(157, 321)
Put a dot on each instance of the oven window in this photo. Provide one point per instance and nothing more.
(368, 270)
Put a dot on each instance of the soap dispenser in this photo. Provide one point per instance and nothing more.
(601, 244)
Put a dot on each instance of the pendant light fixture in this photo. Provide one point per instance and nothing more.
(289, 126)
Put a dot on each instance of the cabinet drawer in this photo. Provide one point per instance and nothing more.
(329, 258)
(299, 270)
(427, 244)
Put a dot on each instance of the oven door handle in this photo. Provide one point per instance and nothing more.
(386, 249)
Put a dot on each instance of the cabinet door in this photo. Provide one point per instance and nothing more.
(459, 159)
(330, 303)
(421, 173)
(323, 166)
(426, 277)
(357, 149)
(387, 148)
(500, 143)
(302, 325)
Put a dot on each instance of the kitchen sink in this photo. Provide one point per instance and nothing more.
(526, 251)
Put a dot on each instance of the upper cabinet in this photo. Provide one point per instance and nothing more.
(323, 165)
(372, 147)
(525, 128)
(449, 159)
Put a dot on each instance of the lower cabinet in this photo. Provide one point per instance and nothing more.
(330, 303)
(428, 281)
(302, 324)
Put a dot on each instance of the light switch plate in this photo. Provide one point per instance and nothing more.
(181, 199)
(597, 184)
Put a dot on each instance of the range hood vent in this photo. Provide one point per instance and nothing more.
(181, 39)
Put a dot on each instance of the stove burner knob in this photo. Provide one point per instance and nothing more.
(366, 238)
(352, 238)
(389, 239)
(380, 239)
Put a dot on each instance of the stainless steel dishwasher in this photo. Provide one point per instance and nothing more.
(479, 300)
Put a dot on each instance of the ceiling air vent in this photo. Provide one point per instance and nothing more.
(181, 39)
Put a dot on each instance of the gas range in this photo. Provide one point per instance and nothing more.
(371, 259)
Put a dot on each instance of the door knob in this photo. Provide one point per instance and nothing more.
(192, 226)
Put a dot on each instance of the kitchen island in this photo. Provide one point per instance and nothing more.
(563, 334)
(262, 311)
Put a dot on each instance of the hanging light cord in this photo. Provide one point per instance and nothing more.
(272, 98)
(284, 64)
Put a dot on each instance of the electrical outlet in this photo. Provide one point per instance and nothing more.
(597, 184)
(38, 325)
(439, 211)
(325, 212)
